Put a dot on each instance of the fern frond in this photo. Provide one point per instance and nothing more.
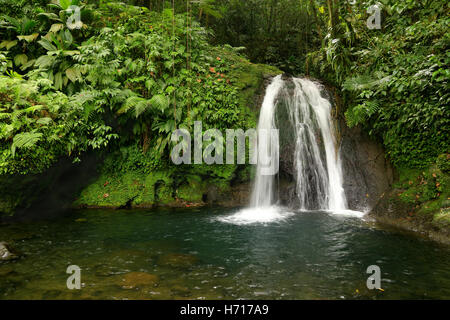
(363, 82)
(360, 113)
(160, 101)
(25, 140)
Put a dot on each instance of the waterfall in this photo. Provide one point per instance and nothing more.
(317, 163)
(263, 189)
(316, 158)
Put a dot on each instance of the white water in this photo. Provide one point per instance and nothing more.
(318, 170)
(316, 160)
(263, 188)
(262, 215)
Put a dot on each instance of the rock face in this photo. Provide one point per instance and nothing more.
(45, 194)
(418, 201)
(5, 252)
(236, 196)
(367, 173)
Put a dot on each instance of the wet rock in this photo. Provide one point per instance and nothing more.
(366, 171)
(51, 294)
(6, 252)
(133, 280)
(103, 270)
(237, 195)
(22, 235)
(181, 291)
(6, 270)
(177, 260)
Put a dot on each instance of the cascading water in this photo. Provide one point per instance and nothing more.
(263, 190)
(262, 208)
(316, 158)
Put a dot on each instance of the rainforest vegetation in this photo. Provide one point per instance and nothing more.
(120, 78)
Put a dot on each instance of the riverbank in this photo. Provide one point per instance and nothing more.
(418, 201)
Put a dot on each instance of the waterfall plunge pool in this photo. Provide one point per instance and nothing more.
(216, 253)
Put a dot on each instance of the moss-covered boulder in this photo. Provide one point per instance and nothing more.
(418, 201)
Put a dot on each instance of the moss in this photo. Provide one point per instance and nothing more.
(165, 187)
(441, 220)
(443, 162)
(416, 187)
(193, 190)
(419, 201)
(249, 79)
(8, 205)
(114, 191)
(430, 207)
(127, 188)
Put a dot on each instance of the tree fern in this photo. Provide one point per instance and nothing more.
(25, 140)
(141, 105)
(361, 112)
(364, 82)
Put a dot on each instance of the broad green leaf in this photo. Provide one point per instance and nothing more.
(65, 4)
(44, 61)
(70, 52)
(73, 74)
(47, 45)
(9, 44)
(51, 16)
(58, 81)
(67, 37)
(56, 27)
(29, 38)
(20, 59)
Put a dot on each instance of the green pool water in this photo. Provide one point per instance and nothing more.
(196, 254)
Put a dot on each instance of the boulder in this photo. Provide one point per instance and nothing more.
(133, 280)
(177, 260)
(6, 252)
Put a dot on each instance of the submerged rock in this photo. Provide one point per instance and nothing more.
(6, 252)
(177, 260)
(6, 270)
(136, 279)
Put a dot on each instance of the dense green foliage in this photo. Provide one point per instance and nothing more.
(133, 73)
(39, 125)
(129, 73)
(395, 80)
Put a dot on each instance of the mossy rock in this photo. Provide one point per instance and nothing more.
(128, 189)
(178, 260)
(420, 201)
(134, 280)
(441, 220)
(192, 191)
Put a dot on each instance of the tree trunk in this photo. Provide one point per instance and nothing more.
(314, 11)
